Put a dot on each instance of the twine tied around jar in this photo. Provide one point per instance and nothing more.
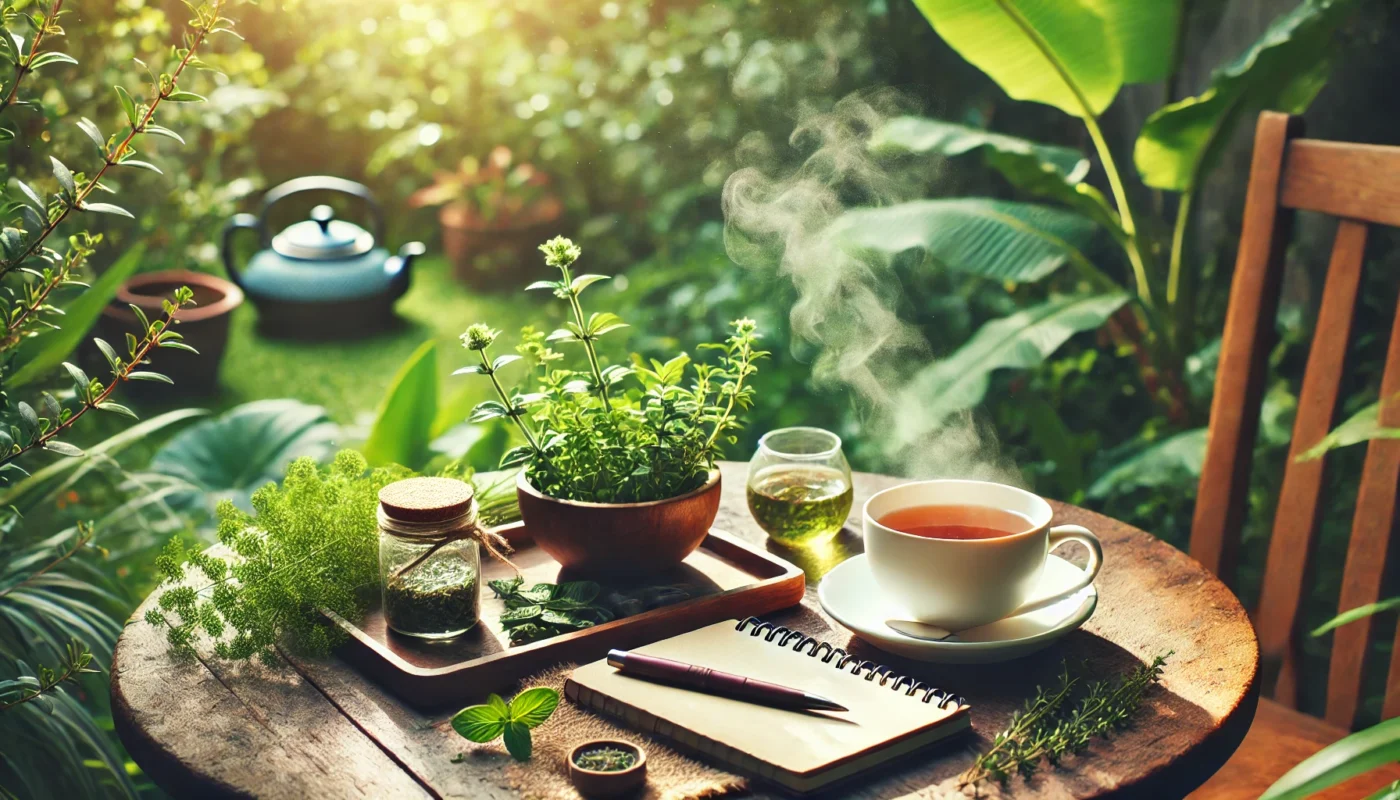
(438, 533)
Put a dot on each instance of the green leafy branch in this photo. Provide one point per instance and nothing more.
(85, 533)
(1042, 731)
(495, 719)
(40, 431)
(18, 691)
(13, 49)
(24, 316)
(207, 21)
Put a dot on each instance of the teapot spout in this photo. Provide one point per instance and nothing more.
(400, 267)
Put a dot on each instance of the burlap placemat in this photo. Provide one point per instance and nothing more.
(670, 775)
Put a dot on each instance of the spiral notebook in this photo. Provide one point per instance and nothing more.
(803, 751)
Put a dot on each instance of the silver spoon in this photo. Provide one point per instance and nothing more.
(920, 630)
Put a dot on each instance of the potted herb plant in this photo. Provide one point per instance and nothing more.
(491, 214)
(619, 461)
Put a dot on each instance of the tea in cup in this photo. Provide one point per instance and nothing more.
(958, 554)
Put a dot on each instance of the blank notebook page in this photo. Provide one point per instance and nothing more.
(797, 741)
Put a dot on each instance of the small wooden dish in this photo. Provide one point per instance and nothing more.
(597, 783)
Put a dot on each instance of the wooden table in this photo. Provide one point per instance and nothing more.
(317, 729)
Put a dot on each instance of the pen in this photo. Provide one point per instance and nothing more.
(712, 681)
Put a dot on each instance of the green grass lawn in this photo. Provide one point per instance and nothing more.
(349, 377)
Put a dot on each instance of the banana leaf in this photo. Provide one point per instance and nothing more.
(1048, 171)
(1022, 340)
(1283, 70)
(997, 239)
(1057, 52)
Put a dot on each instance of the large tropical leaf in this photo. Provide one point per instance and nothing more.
(1362, 426)
(1046, 51)
(250, 445)
(44, 353)
(403, 427)
(1144, 34)
(1022, 340)
(1283, 70)
(1049, 171)
(1167, 462)
(1360, 752)
(923, 135)
(996, 239)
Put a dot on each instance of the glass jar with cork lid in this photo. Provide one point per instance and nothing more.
(430, 556)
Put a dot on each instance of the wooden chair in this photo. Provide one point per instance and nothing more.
(1360, 185)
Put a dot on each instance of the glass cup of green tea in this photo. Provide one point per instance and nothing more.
(799, 486)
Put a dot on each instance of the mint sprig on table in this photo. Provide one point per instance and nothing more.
(1044, 731)
(548, 609)
(496, 719)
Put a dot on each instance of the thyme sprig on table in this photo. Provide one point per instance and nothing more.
(1044, 731)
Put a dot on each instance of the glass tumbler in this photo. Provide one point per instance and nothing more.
(799, 486)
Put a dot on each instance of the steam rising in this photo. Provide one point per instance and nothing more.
(781, 219)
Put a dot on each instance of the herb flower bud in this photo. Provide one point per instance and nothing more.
(560, 252)
(744, 325)
(479, 337)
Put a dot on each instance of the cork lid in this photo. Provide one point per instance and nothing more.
(426, 499)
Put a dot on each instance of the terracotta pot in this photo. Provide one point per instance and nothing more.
(596, 783)
(491, 254)
(204, 325)
(619, 539)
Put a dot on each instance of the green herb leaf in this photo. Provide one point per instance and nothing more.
(533, 706)
(517, 739)
(62, 448)
(90, 128)
(584, 281)
(489, 409)
(128, 105)
(51, 57)
(107, 208)
(480, 724)
(65, 178)
(185, 97)
(157, 130)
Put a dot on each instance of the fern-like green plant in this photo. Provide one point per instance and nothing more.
(310, 544)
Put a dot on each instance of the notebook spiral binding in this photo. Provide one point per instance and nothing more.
(827, 653)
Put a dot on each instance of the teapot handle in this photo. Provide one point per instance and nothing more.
(312, 183)
(238, 223)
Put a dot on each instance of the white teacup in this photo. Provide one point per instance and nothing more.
(963, 583)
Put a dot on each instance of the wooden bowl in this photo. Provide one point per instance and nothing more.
(619, 539)
(594, 783)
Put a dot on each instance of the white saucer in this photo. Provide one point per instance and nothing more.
(851, 596)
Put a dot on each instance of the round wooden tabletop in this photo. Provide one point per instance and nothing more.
(319, 729)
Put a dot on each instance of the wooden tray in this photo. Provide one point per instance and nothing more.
(725, 579)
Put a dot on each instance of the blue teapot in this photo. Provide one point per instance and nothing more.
(322, 277)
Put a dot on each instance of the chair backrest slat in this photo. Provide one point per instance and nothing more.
(1244, 348)
(1352, 181)
(1298, 514)
(1360, 186)
(1371, 528)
